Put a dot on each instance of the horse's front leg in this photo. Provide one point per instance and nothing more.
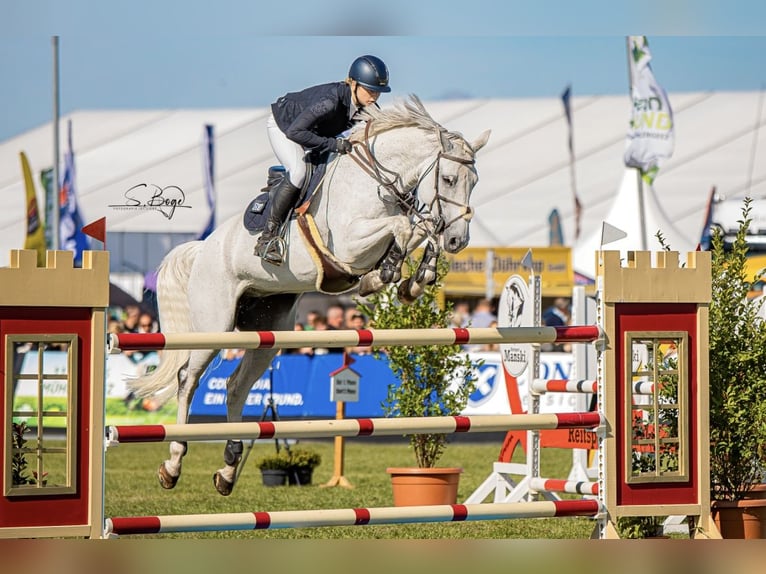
(413, 287)
(389, 270)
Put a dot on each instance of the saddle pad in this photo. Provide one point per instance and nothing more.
(256, 213)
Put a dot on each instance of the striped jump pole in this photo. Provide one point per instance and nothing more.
(568, 486)
(541, 386)
(564, 386)
(347, 517)
(643, 388)
(351, 338)
(349, 427)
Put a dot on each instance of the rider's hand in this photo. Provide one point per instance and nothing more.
(342, 146)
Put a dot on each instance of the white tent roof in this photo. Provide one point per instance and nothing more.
(524, 170)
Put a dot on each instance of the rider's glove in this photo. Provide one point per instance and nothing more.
(342, 146)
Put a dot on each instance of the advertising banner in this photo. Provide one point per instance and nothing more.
(298, 384)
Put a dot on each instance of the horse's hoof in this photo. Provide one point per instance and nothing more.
(222, 485)
(167, 481)
(367, 286)
(403, 293)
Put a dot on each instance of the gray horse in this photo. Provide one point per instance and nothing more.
(407, 181)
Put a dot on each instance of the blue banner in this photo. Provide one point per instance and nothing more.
(301, 387)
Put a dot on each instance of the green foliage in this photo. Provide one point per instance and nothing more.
(276, 461)
(304, 458)
(737, 371)
(639, 526)
(294, 459)
(435, 380)
(19, 461)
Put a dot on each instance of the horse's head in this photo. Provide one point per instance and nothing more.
(453, 178)
(404, 149)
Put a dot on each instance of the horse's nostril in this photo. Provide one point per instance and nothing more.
(455, 244)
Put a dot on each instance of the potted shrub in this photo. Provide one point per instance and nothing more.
(274, 468)
(434, 380)
(737, 386)
(303, 461)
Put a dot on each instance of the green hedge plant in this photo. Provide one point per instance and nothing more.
(737, 370)
(434, 380)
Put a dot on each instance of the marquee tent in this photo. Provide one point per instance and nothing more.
(524, 170)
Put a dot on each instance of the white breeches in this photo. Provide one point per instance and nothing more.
(289, 153)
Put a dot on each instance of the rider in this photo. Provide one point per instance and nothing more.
(311, 121)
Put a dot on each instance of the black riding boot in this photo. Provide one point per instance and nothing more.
(269, 246)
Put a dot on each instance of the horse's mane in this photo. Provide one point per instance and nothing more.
(406, 113)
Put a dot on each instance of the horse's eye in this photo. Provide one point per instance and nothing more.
(449, 179)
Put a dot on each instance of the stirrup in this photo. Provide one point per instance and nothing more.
(272, 251)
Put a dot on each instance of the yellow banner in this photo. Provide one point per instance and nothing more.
(35, 238)
(482, 271)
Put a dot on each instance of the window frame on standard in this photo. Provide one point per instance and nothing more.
(40, 487)
(658, 338)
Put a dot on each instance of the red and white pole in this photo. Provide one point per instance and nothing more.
(350, 338)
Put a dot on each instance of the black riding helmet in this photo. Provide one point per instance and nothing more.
(371, 73)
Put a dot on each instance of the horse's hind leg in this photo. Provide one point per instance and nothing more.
(253, 364)
(275, 312)
(188, 380)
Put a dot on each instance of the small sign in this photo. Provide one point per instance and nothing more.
(344, 386)
(515, 310)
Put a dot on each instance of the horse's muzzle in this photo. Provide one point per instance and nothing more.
(455, 243)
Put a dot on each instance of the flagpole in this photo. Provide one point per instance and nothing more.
(640, 187)
(56, 178)
(755, 142)
(566, 96)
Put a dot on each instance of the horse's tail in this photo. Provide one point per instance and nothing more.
(172, 279)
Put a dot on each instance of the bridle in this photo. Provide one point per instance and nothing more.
(407, 199)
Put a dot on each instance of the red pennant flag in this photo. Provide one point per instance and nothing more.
(96, 230)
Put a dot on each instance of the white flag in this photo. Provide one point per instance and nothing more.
(610, 234)
(651, 137)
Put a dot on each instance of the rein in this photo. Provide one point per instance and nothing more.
(392, 181)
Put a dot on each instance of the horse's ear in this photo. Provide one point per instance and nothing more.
(480, 141)
(445, 141)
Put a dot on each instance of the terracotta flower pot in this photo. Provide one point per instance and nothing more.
(740, 519)
(424, 486)
(758, 492)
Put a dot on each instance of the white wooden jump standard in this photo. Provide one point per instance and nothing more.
(118, 526)
(350, 338)
(349, 427)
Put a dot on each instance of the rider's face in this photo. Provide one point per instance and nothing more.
(365, 97)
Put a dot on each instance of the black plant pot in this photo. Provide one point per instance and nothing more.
(274, 477)
(299, 476)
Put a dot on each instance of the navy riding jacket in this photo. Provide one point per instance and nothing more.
(314, 117)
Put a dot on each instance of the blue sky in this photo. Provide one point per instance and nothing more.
(242, 53)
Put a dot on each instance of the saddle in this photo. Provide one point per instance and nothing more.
(257, 211)
(333, 276)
